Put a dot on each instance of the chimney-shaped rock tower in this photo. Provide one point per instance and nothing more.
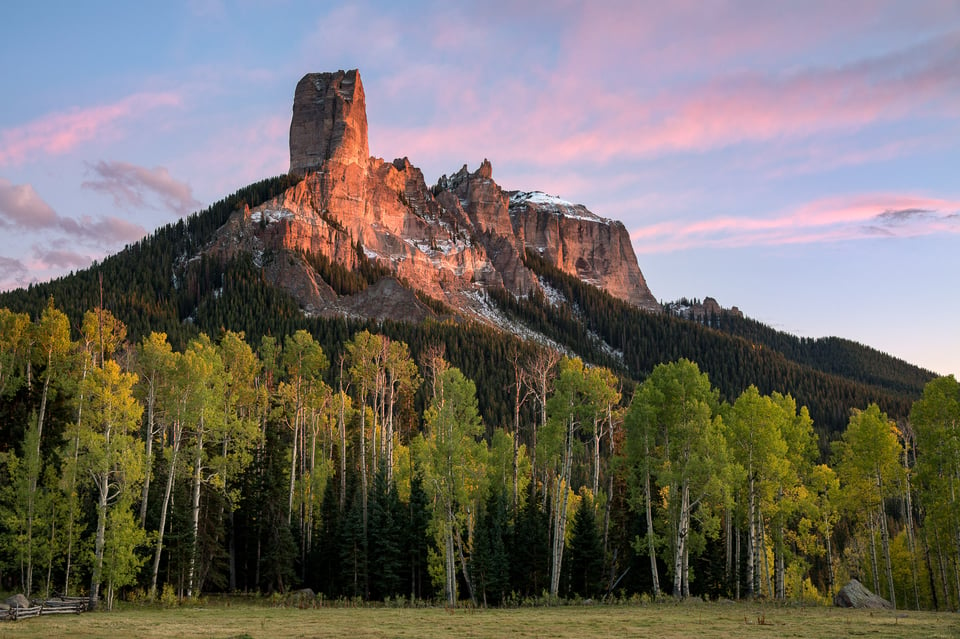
(329, 121)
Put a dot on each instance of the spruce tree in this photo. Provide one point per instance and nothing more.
(491, 564)
(586, 551)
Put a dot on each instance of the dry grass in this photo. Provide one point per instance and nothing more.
(663, 621)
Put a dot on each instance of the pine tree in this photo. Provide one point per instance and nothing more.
(529, 548)
(490, 562)
(586, 550)
(384, 538)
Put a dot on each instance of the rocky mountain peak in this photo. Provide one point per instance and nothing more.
(329, 121)
(452, 242)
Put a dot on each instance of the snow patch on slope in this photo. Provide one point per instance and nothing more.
(556, 205)
(487, 309)
(271, 216)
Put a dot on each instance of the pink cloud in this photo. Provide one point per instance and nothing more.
(13, 273)
(22, 207)
(103, 231)
(571, 118)
(129, 185)
(828, 220)
(61, 259)
(58, 133)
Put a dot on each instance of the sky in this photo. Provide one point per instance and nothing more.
(798, 160)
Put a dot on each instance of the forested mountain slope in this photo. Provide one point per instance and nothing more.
(167, 283)
(591, 323)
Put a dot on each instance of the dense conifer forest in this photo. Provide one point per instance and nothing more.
(172, 425)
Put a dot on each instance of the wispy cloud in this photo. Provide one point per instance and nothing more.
(102, 231)
(22, 207)
(49, 257)
(131, 186)
(58, 133)
(829, 220)
(569, 118)
(12, 273)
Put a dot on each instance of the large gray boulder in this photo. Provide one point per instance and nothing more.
(856, 595)
(18, 601)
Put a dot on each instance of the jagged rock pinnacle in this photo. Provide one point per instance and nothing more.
(329, 121)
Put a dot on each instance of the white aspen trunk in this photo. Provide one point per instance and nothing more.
(375, 450)
(34, 476)
(73, 514)
(911, 537)
(103, 483)
(680, 542)
(53, 536)
(885, 540)
(148, 453)
(651, 537)
(560, 520)
(752, 539)
(73, 484)
(516, 437)
(195, 512)
(606, 509)
(450, 585)
(293, 467)
(956, 546)
(363, 457)
(311, 498)
(595, 486)
(765, 565)
(829, 545)
(555, 529)
(873, 553)
(736, 570)
(168, 491)
(388, 436)
(778, 551)
(465, 569)
(728, 544)
(779, 566)
(342, 425)
(941, 568)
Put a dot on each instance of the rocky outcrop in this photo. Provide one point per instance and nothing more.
(856, 595)
(451, 241)
(707, 312)
(592, 248)
(329, 121)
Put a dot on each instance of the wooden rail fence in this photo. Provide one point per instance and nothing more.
(59, 606)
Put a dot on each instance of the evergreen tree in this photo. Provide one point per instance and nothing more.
(384, 542)
(586, 550)
(325, 560)
(353, 549)
(529, 549)
(490, 561)
(417, 541)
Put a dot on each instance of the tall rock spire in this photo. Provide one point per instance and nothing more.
(329, 121)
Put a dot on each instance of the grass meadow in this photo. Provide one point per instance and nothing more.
(218, 620)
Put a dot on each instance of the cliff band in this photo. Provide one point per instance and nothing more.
(452, 241)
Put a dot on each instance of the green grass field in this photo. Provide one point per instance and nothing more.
(661, 621)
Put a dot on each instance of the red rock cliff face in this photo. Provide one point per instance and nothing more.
(592, 248)
(451, 241)
(329, 121)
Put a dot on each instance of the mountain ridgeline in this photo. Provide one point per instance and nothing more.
(346, 242)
